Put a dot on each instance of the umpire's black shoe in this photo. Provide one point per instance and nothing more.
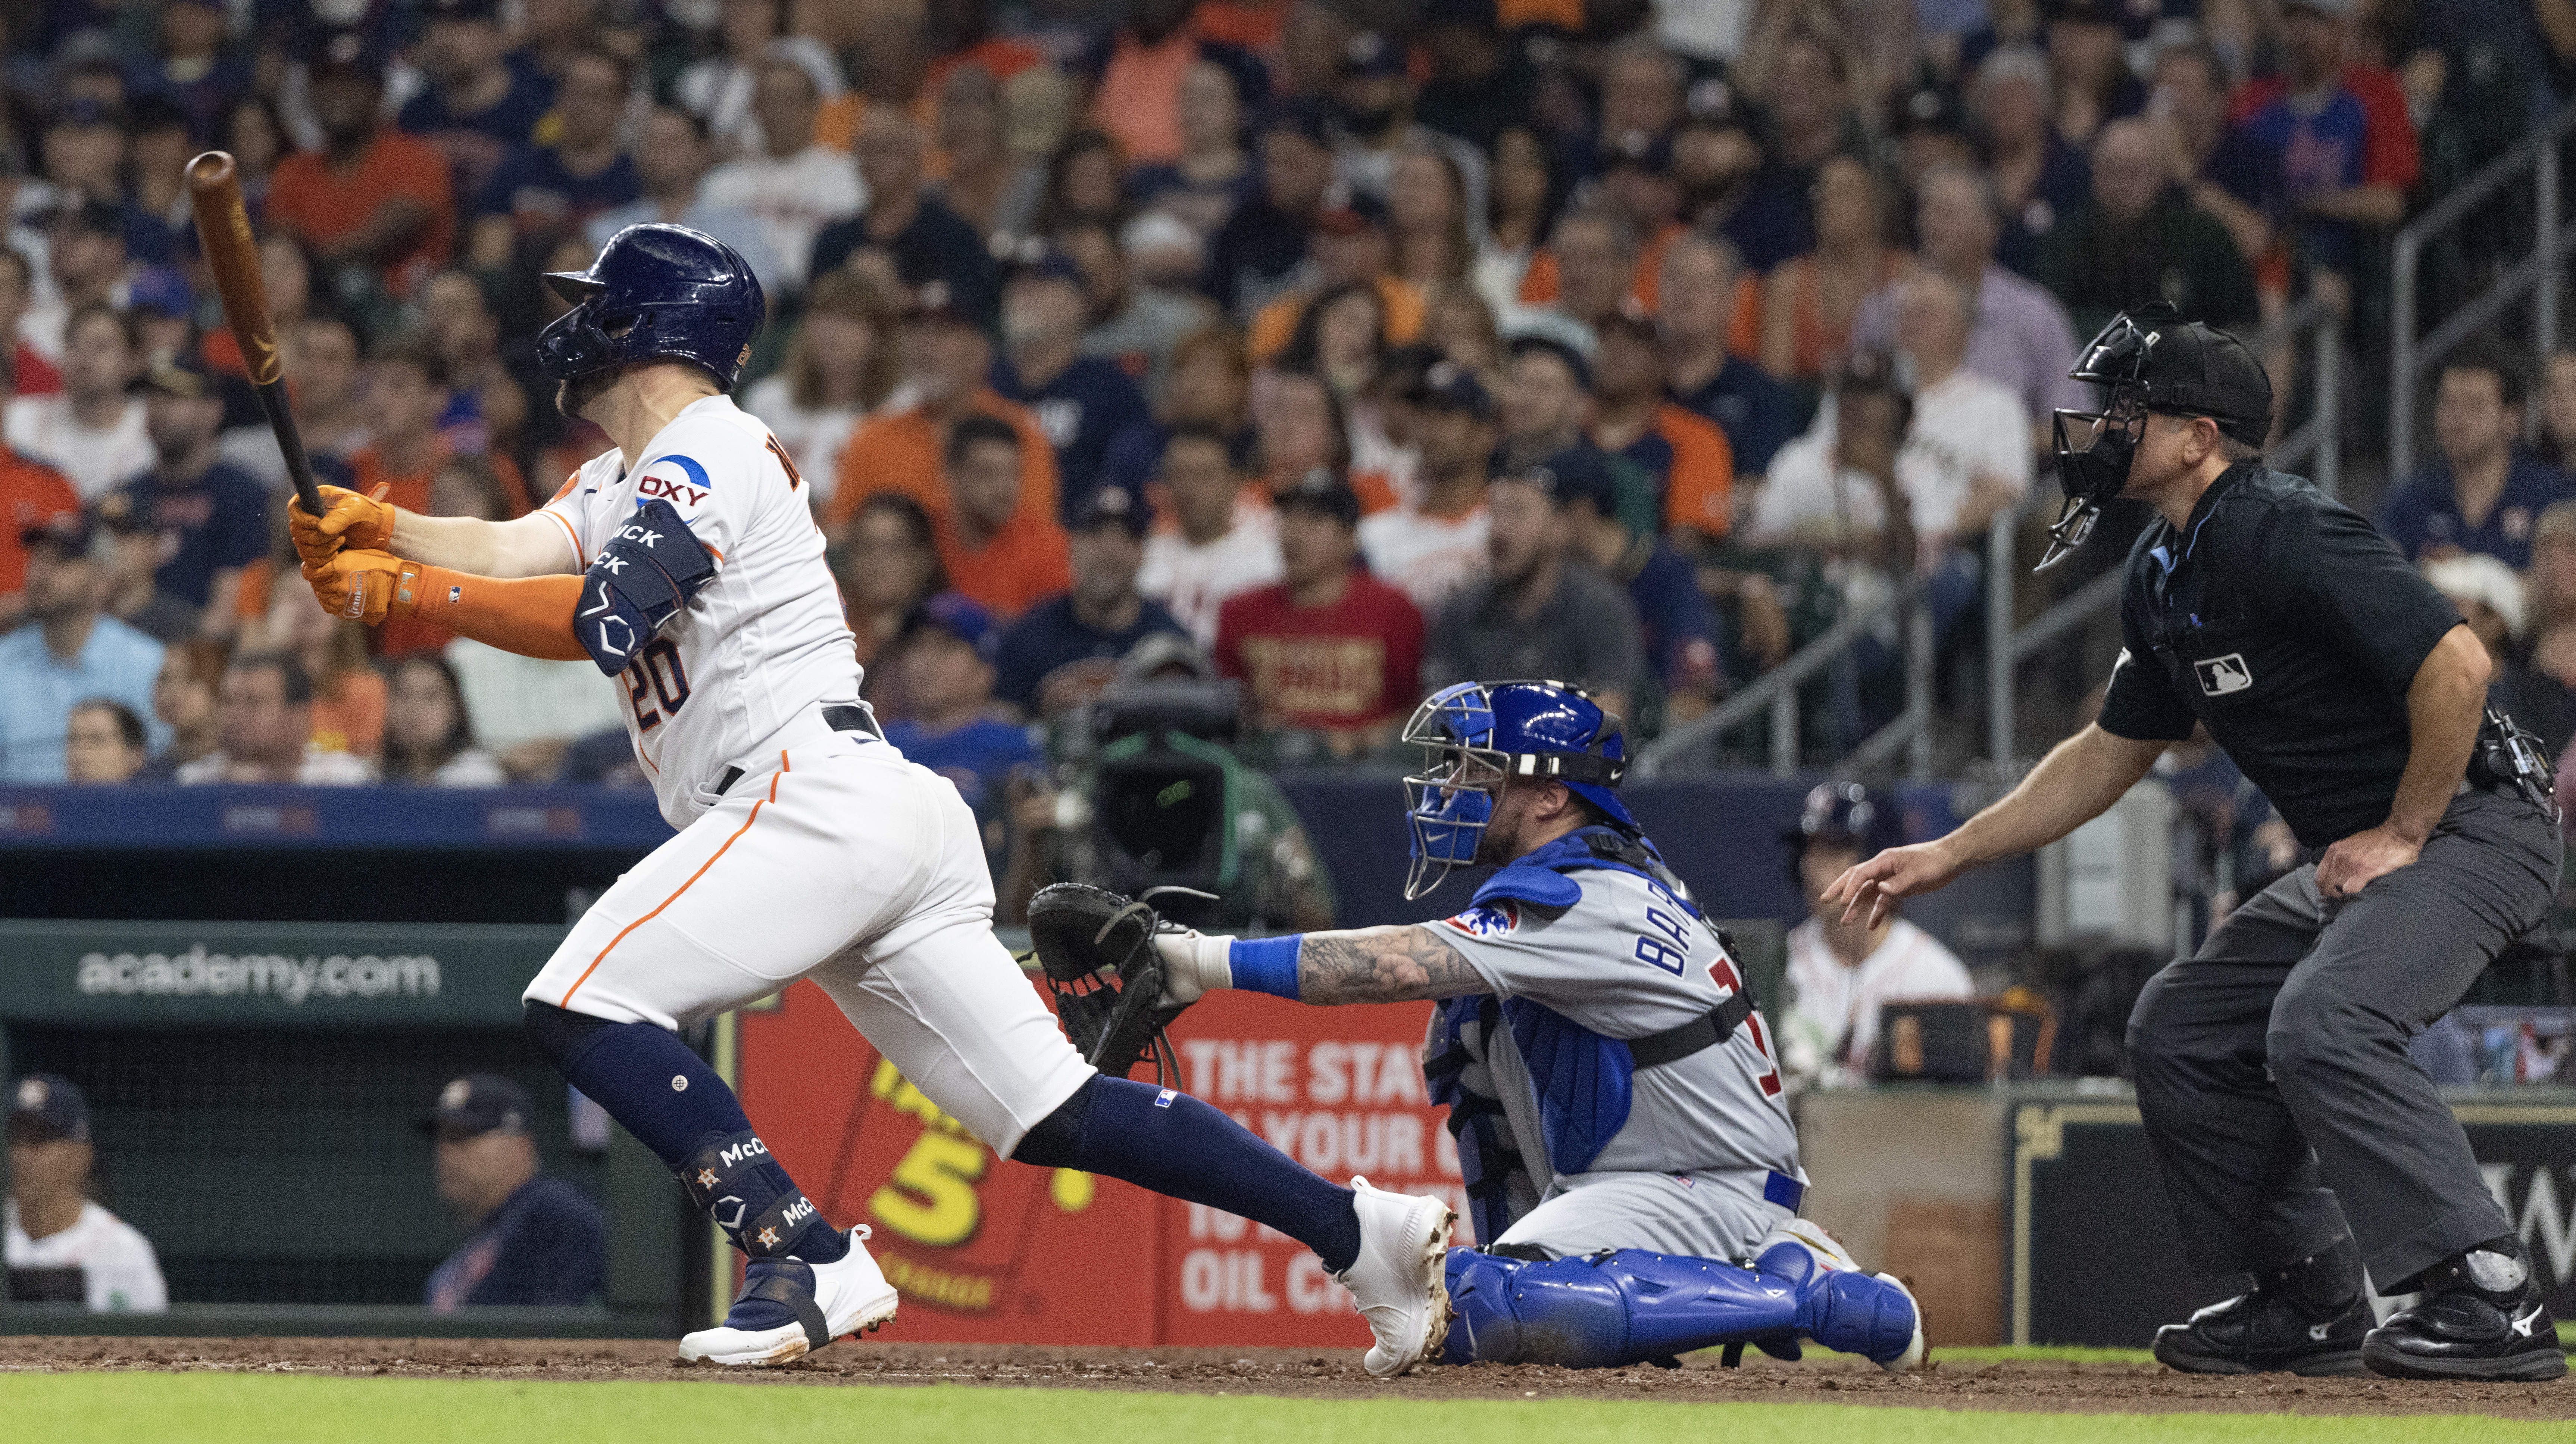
(2264, 1333)
(2481, 1318)
(2308, 1318)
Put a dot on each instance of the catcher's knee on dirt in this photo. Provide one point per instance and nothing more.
(1608, 1309)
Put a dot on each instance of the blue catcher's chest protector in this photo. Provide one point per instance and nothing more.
(1584, 1081)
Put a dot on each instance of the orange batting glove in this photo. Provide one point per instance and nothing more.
(367, 585)
(347, 519)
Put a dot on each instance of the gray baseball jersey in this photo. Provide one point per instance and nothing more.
(1625, 961)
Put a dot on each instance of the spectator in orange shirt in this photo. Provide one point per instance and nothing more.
(372, 196)
(1350, 245)
(1138, 95)
(406, 395)
(1689, 458)
(946, 360)
(992, 550)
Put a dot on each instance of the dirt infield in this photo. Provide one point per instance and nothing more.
(1305, 1373)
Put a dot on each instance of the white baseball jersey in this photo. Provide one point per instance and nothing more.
(1832, 1023)
(1193, 581)
(1426, 557)
(764, 644)
(119, 1272)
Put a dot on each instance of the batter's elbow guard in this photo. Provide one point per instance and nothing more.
(644, 577)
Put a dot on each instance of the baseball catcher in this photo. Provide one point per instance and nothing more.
(1616, 1099)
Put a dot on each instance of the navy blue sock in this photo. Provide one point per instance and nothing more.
(1170, 1142)
(664, 1094)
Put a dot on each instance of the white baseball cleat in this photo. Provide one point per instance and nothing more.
(1400, 1276)
(821, 1303)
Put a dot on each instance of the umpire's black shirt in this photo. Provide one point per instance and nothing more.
(2293, 629)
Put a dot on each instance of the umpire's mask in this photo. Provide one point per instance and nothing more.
(2147, 360)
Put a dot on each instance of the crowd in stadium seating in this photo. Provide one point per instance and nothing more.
(1362, 345)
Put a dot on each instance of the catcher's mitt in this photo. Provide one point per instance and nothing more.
(1096, 948)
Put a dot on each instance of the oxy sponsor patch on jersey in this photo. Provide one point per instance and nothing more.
(1488, 920)
(687, 489)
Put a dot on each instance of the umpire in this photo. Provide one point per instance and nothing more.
(2297, 1140)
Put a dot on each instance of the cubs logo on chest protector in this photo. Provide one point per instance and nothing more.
(757, 649)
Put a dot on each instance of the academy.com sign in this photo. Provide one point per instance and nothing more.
(200, 973)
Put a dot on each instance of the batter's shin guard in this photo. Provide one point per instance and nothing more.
(1609, 1309)
(749, 1195)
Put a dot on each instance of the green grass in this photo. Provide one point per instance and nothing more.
(275, 1409)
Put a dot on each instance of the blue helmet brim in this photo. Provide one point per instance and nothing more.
(1603, 798)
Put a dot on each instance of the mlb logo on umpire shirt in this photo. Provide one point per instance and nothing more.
(2222, 675)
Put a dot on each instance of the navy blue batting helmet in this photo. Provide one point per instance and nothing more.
(656, 291)
(1844, 814)
(1480, 735)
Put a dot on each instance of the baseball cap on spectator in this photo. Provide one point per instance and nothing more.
(1713, 103)
(88, 113)
(1482, 16)
(476, 1104)
(1113, 506)
(1930, 106)
(46, 1108)
(1164, 652)
(186, 376)
(351, 53)
(1579, 473)
(1632, 318)
(161, 291)
(1348, 212)
(117, 515)
(1559, 348)
(67, 536)
(1636, 150)
(960, 616)
(1448, 386)
(1372, 53)
(1298, 115)
(98, 218)
(935, 301)
(1324, 491)
(1039, 261)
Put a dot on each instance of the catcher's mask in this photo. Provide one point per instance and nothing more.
(2147, 360)
(1476, 737)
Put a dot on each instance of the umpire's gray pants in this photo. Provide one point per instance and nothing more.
(2272, 1069)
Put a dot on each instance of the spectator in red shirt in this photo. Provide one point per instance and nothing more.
(1329, 650)
(2338, 130)
(35, 376)
(372, 195)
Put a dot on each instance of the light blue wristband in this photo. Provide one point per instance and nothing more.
(1266, 965)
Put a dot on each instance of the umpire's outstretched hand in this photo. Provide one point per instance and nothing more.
(1895, 873)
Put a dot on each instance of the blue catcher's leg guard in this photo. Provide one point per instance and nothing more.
(1839, 1306)
(1609, 1309)
(1631, 1306)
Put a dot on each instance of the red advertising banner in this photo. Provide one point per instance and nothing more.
(989, 1251)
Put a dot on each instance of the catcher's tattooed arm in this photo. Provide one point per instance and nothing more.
(1382, 965)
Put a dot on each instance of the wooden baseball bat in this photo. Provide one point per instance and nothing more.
(223, 229)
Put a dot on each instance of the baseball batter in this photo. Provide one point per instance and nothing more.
(686, 564)
(1633, 1170)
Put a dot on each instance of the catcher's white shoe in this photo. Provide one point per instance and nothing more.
(819, 1303)
(1874, 1315)
(1400, 1277)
